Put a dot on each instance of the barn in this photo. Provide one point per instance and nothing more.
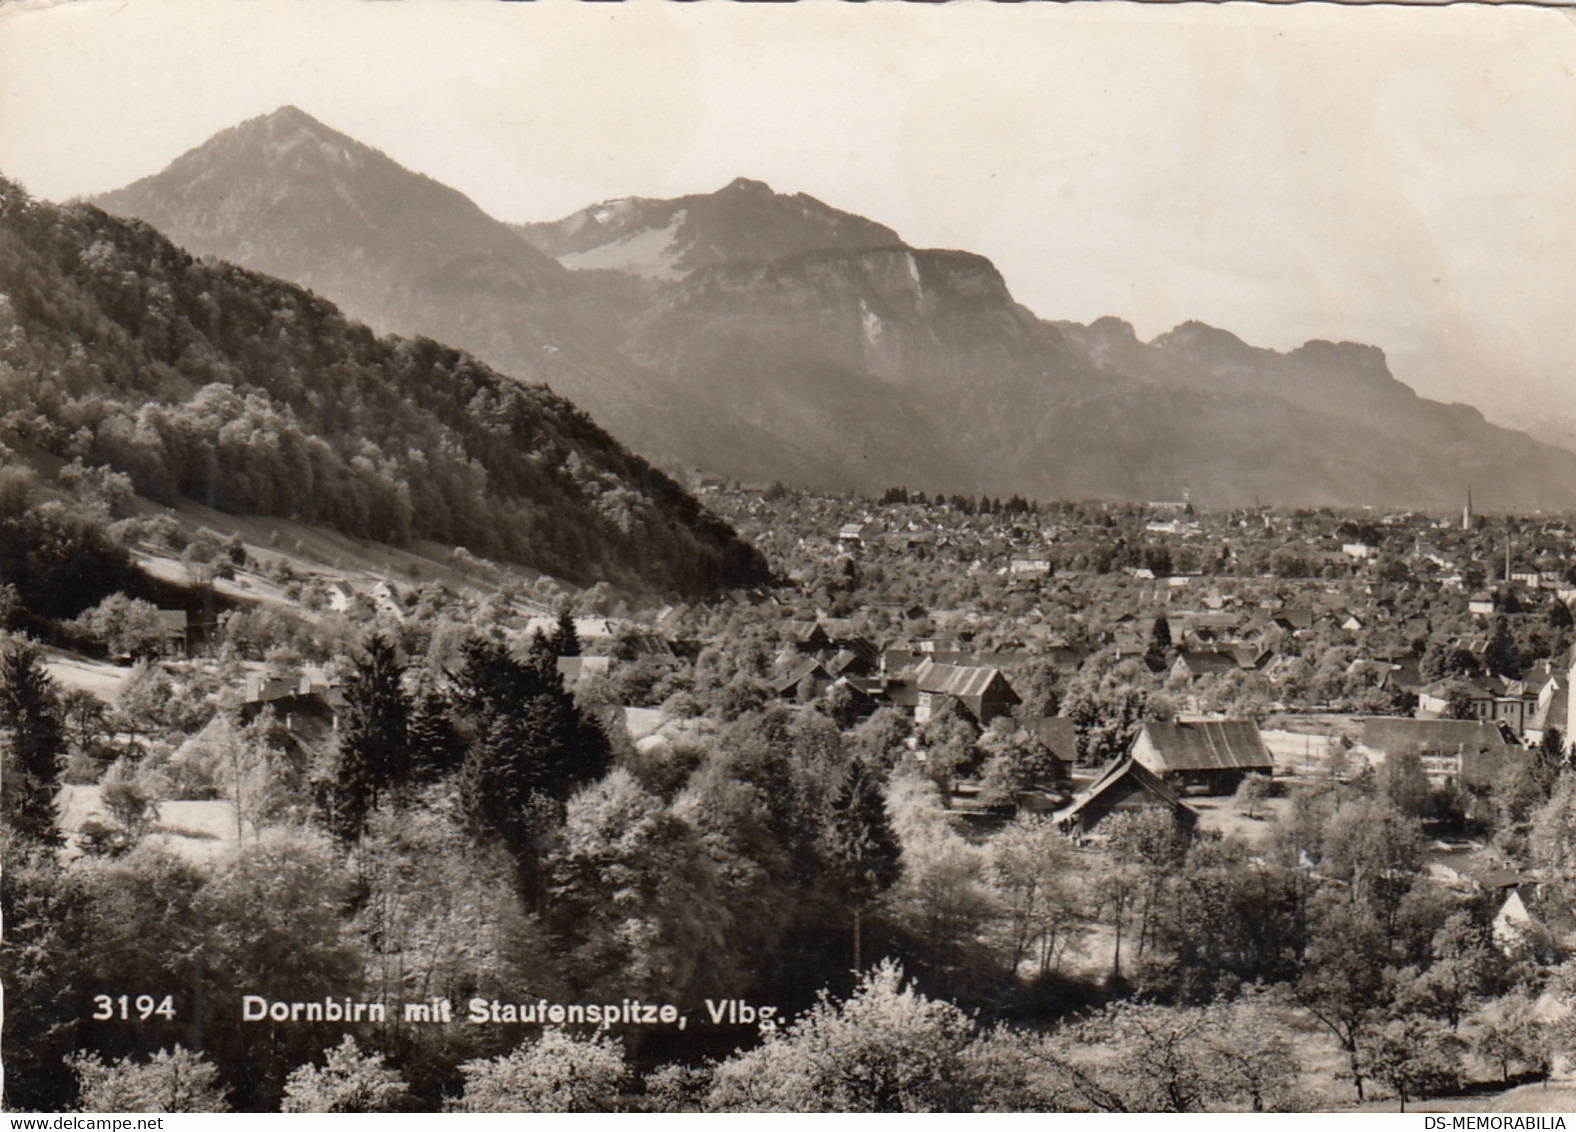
(1211, 756)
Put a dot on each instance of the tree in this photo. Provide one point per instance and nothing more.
(1552, 840)
(1146, 845)
(1378, 850)
(351, 1081)
(529, 748)
(1415, 1056)
(1403, 781)
(1458, 703)
(1107, 722)
(273, 926)
(1509, 1032)
(860, 847)
(941, 898)
(1342, 983)
(887, 1048)
(1253, 789)
(1181, 1059)
(178, 1081)
(1030, 870)
(34, 743)
(126, 626)
(634, 899)
(1502, 657)
(558, 1072)
(44, 909)
(130, 801)
(566, 639)
(1460, 956)
(374, 738)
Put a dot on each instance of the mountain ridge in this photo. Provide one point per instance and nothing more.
(810, 345)
(203, 380)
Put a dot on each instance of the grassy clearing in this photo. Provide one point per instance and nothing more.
(200, 832)
(71, 671)
(1223, 815)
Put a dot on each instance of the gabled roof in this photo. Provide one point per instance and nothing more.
(958, 680)
(1127, 772)
(1200, 662)
(1223, 744)
(807, 667)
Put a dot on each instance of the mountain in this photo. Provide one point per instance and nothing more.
(288, 195)
(768, 336)
(668, 239)
(894, 365)
(206, 381)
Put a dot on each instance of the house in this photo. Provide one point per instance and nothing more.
(1295, 618)
(857, 532)
(1514, 930)
(1193, 665)
(1058, 735)
(983, 692)
(172, 625)
(308, 709)
(1513, 705)
(341, 596)
(1463, 751)
(1434, 700)
(803, 681)
(1127, 786)
(1029, 566)
(1209, 755)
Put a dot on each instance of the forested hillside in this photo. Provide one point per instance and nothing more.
(200, 379)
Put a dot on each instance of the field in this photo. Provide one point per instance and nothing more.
(201, 832)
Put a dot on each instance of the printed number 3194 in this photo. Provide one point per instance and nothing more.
(122, 1007)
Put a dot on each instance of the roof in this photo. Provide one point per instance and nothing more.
(809, 666)
(1057, 732)
(1131, 772)
(1224, 744)
(1386, 733)
(960, 681)
(1200, 662)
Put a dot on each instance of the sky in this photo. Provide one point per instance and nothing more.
(1401, 176)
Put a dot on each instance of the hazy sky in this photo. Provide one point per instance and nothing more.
(1396, 175)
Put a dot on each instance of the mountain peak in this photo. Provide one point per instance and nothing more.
(745, 185)
(668, 239)
(285, 194)
(289, 114)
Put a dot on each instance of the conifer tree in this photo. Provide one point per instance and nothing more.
(860, 845)
(529, 747)
(374, 743)
(34, 741)
(566, 639)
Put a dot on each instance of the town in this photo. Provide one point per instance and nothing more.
(1071, 765)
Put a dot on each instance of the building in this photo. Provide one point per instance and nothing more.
(1463, 752)
(1125, 787)
(983, 692)
(1208, 755)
